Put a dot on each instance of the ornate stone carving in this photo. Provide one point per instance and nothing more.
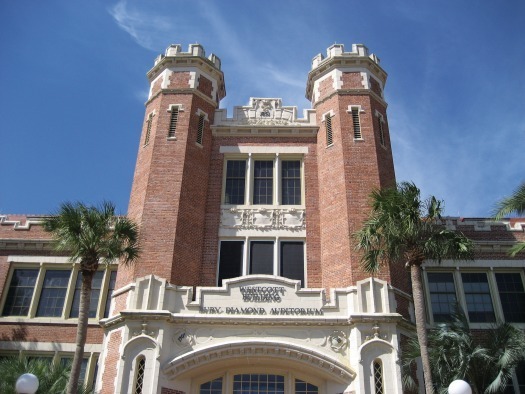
(144, 331)
(263, 218)
(183, 339)
(338, 341)
(376, 335)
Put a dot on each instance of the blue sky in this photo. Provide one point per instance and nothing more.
(73, 86)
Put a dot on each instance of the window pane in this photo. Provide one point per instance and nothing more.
(261, 257)
(53, 293)
(291, 182)
(235, 182)
(230, 260)
(211, 387)
(302, 387)
(292, 260)
(111, 287)
(83, 367)
(512, 296)
(95, 294)
(258, 383)
(442, 295)
(20, 292)
(477, 296)
(263, 182)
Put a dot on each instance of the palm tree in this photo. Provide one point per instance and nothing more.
(455, 354)
(91, 236)
(52, 377)
(402, 226)
(514, 203)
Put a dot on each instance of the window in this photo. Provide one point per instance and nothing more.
(381, 122)
(378, 377)
(512, 296)
(302, 387)
(50, 292)
(263, 182)
(477, 297)
(235, 182)
(292, 260)
(53, 293)
(328, 127)
(356, 123)
(111, 288)
(140, 368)
(174, 118)
(200, 129)
(252, 181)
(230, 260)
(149, 124)
(442, 295)
(487, 296)
(291, 182)
(96, 285)
(20, 292)
(261, 259)
(83, 366)
(258, 383)
(212, 387)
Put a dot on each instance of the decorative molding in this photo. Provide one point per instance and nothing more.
(338, 341)
(256, 349)
(263, 218)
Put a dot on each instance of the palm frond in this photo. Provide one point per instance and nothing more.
(514, 203)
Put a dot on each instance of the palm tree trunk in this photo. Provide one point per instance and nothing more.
(83, 315)
(419, 310)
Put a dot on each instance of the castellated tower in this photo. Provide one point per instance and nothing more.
(171, 176)
(354, 153)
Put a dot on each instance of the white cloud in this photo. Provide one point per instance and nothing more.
(146, 28)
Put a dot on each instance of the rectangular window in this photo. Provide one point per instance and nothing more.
(261, 257)
(381, 131)
(357, 123)
(20, 292)
(111, 288)
(292, 260)
(328, 126)
(477, 297)
(53, 293)
(512, 296)
(200, 130)
(235, 182)
(291, 182)
(83, 367)
(173, 122)
(149, 124)
(230, 260)
(442, 295)
(263, 182)
(96, 285)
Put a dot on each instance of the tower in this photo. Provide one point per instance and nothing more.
(170, 184)
(354, 153)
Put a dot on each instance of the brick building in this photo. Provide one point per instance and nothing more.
(248, 276)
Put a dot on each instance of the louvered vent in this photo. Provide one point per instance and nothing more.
(200, 129)
(357, 124)
(328, 125)
(173, 122)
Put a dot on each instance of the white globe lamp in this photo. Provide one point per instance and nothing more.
(459, 387)
(27, 384)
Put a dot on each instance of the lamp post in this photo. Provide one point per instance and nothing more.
(459, 387)
(26, 384)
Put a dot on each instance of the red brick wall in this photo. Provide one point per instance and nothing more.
(352, 80)
(169, 193)
(110, 363)
(350, 170)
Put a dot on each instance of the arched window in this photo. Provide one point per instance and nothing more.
(140, 367)
(378, 377)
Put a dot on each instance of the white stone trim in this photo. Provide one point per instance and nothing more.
(172, 106)
(299, 150)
